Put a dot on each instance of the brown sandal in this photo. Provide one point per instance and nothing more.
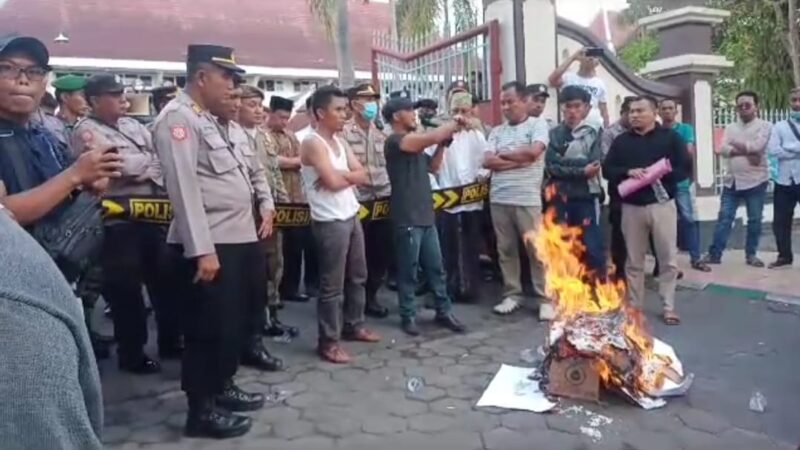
(671, 319)
(362, 335)
(335, 354)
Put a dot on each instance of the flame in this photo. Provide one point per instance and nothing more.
(576, 291)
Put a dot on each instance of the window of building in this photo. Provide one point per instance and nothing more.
(297, 86)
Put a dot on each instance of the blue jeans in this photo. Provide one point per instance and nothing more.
(585, 213)
(729, 202)
(688, 226)
(417, 247)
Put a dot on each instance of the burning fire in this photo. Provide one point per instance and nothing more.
(593, 318)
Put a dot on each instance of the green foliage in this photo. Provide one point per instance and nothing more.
(637, 53)
(751, 38)
(419, 17)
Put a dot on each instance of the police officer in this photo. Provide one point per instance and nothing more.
(134, 253)
(72, 105)
(254, 353)
(214, 189)
(366, 142)
(163, 95)
(299, 256)
(251, 116)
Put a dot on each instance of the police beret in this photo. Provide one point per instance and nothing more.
(69, 83)
(363, 90)
(213, 54)
(280, 104)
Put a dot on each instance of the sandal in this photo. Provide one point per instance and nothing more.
(670, 318)
(701, 266)
(335, 354)
(362, 335)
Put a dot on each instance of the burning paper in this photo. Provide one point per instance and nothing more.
(597, 338)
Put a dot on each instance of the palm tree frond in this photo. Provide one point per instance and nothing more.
(325, 12)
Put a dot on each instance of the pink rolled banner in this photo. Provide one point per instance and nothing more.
(652, 174)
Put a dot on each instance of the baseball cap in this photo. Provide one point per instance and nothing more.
(26, 44)
(395, 105)
(103, 83)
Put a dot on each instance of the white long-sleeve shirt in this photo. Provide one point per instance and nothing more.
(462, 163)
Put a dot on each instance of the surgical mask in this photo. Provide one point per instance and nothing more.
(370, 111)
(795, 115)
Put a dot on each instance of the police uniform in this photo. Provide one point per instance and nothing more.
(273, 245)
(216, 185)
(367, 145)
(134, 253)
(299, 255)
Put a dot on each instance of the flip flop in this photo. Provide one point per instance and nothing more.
(671, 319)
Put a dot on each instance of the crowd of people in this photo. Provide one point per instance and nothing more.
(219, 274)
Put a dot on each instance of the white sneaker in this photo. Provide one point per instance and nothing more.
(546, 312)
(507, 306)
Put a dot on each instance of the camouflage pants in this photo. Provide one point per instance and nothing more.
(274, 248)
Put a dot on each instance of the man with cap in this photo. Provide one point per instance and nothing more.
(251, 115)
(37, 175)
(537, 101)
(134, 253)
(71, 107)
(215, 191)
(411, 210)
(459, 226)
(299, 256)
(35, 182)
(426, 110)
(163, 95)
(366, 142)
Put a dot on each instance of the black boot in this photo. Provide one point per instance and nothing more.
(205, 420)
(235, 399)
(257, 356)
(375, 309)
(276, 328)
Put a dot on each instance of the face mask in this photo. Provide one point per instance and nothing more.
(370, 111)
(795, 115)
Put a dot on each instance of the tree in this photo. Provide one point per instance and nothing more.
(421, 17)
(335, 19)
(761, 38)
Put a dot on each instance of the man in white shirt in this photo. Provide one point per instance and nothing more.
(514, 154)
(460, 226)
(586, 78)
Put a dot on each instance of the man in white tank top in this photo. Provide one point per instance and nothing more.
(330, 172)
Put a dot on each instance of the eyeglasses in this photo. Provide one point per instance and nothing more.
(744, 106)
(33, 73)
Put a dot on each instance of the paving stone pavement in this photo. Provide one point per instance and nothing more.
(367, 405)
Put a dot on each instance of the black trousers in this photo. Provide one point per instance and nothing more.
(784, 199)
(136, 254)
(460, 237)
(218, 315)
(299, 252)
(619, 253)
(378, 248)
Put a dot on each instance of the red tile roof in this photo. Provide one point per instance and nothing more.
(272, 33)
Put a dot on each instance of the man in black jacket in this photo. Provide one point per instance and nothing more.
(652, 208)
(573, 169)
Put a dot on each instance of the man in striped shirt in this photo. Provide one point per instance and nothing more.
(514, 155)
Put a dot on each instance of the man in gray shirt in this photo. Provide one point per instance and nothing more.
(743, 153)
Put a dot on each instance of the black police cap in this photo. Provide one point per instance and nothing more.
(213, 54)
(103, 83)
(395, 105)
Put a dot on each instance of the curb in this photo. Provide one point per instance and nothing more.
(737, 291)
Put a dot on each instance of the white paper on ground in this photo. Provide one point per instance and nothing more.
(511, 389)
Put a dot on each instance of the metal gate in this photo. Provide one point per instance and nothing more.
(425, 67)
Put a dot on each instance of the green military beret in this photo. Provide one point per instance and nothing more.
(69, 83)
